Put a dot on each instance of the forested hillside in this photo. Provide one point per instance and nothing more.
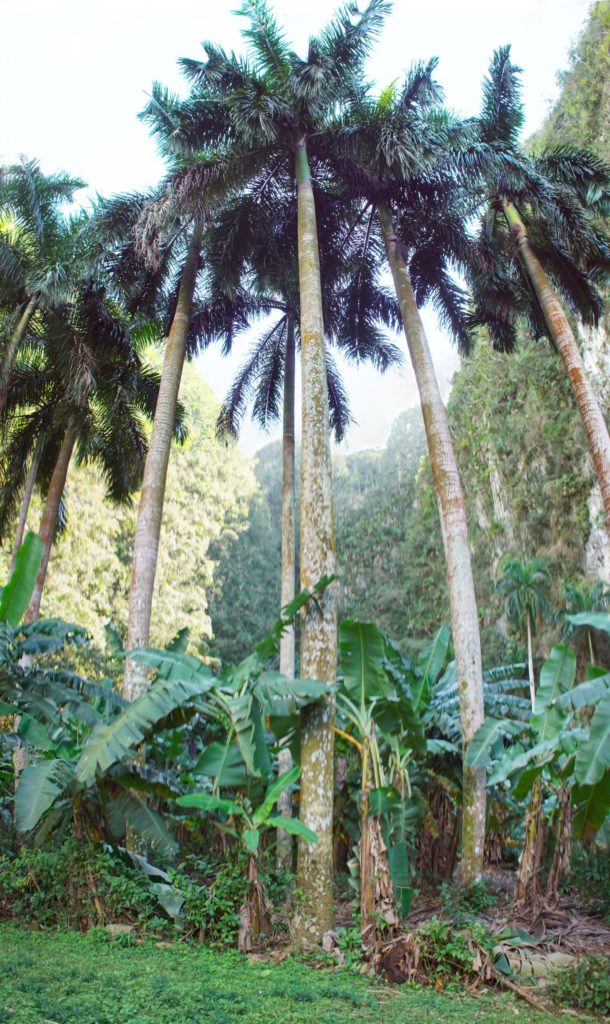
(210, 486)
(521, 451)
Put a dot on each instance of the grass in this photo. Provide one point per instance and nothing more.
(68, 978)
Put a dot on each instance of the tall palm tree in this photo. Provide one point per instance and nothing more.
(38, 248)
(540, 230)
(84, 387)
(254, 241)
(395, 152)
(277, 101)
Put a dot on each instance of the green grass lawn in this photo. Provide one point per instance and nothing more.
(80, 979)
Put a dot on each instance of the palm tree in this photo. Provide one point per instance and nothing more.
(525, 586)
(277, 101)
(540, 232)
(164, 277)
(395, 153)
(253, 240)
(82, 386)
(38, 248)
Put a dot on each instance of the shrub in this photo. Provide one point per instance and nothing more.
(73, 885)
(464, 905)
(585, 985)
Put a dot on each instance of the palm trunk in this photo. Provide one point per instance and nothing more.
(11, 348)
(287, 587)
(593, 421)
(48, 522)
(452, 511)
(530, 660)
(319, 624)
(150, 511)
(26, 501)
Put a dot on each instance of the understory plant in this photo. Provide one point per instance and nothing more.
(564, 750)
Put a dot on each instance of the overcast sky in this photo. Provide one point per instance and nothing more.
(74, 74)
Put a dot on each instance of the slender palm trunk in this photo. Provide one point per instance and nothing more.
(26, 501)
(11, 348)
(48, 522)
(530, 660)
(150, 511)
(319, 624)
(593, 421)
(287, 583)
(452, 510)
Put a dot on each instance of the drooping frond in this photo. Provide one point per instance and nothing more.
(338, 402)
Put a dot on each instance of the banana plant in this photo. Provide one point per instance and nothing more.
(247, 823)
(244, 700)
(564, 747)
(376, 708)
(87, 769)
(19, 643)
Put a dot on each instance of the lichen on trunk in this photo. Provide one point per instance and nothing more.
(452, 512)
(315, 914)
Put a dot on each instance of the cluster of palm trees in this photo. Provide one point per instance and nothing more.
(289, 190)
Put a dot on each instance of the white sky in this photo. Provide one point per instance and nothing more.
(74, 74)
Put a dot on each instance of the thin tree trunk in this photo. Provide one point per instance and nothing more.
(287, 587)
(452, 511)
(48, 522)
(150, 511)
(319, 624)
(26, 501)
(11, 348)
(530, 660)
(593, 421)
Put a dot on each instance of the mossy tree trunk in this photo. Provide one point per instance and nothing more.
(596, 430)
(287, 583)
(317, 558)
(452, 511)
(150, 511)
